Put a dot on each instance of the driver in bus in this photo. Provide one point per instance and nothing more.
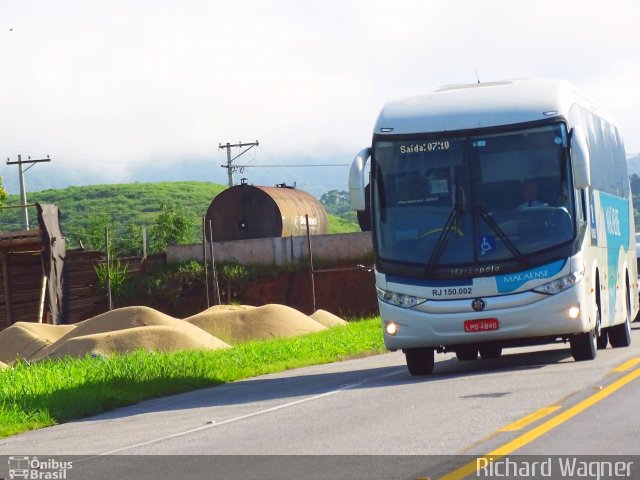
(530, 195)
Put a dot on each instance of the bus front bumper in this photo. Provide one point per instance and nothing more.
(548, 316)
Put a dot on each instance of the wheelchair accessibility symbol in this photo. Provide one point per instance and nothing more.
(487, 244)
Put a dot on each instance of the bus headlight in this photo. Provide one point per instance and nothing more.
(398, 299)
(391, 329)
(560, 284)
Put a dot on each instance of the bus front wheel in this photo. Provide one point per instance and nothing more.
(420, 361)
(583, 346)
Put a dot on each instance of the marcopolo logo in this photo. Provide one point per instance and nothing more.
(38, 469)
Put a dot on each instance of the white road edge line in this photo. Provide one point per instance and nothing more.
(249, 415)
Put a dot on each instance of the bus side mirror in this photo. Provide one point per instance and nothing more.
(580, 159)
(356, 180)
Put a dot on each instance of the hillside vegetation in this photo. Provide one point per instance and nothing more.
(171, 211)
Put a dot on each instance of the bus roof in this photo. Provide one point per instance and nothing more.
(481, 105)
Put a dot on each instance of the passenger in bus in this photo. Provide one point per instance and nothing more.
(530, 195)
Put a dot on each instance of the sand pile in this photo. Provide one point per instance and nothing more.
(121, 319)
(127, 329)
(133, 328)
(25, 339)
(327, 319)
(241, 323)
(229, 308)
(152, 338)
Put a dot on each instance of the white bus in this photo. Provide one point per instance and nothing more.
(501, 216)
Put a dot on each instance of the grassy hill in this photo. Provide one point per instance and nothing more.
(126, 208)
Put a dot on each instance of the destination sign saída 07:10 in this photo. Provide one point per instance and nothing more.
(424, 147)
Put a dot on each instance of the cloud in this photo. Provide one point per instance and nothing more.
(137, 81)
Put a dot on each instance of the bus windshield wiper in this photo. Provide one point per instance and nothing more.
(445, 234)
(502, 236)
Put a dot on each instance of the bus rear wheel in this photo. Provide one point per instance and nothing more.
(488, 352)
(467, 353)
(620, 335)
(420, 361)
(603, 339)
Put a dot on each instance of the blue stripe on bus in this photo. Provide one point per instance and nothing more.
(616, 226)
(430, 283)
(512, 281)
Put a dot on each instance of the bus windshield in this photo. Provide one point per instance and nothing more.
(460, 201)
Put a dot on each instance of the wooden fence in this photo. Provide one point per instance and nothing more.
(21, 282)
(84, 299)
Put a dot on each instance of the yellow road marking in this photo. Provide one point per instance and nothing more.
(628, 365)
(534, 433)
(529, 419)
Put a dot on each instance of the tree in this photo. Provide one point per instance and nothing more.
(3, 194)
(92, 237)
(117, 273)
(128, 241)
(172, 227)
(634, 180)
(336, 202)
(635, 184)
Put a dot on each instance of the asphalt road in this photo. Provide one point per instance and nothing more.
(372, 406)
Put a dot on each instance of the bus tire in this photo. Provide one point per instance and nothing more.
(603, 339)
(488, 352)
(620, 335)
(583, 346)
(420, 361)
(466, 353)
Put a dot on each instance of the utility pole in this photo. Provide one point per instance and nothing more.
(23, 191)
(229, 166)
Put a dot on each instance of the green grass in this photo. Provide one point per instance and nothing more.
(43, 394)
(137, 203)
(341, 225)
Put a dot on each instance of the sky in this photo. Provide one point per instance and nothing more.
(137, 90)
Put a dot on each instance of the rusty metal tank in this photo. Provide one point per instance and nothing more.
(247, 211)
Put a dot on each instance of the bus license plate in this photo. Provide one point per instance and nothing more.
(481, 325)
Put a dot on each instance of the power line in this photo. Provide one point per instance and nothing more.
(229, 166)
(297, 166)
(23, 191)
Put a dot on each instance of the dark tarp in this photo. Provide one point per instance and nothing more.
(54, 253)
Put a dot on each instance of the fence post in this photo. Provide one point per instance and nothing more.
(313, 283)
(144, 241)
(214, 277)
(204, 256)
(106, 242)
